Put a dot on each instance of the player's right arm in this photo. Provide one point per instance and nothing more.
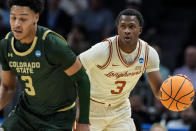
(153, 73)
(7, 89)
(8, 79)
(155, 81)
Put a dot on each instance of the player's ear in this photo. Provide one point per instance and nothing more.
(140, 30)
(36, 18)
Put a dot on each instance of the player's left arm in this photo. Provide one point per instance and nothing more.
(153, 73)
(59, 53)
(78, 74)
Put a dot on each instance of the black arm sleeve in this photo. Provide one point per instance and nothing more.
(84, 94)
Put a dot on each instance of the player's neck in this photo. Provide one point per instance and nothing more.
(29, 39)
(127, 48)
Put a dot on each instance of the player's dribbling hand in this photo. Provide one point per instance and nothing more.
(82, 127)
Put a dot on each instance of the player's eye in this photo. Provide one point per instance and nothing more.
(23, 20)
(132, 26)
(123, 26)
(13, 18)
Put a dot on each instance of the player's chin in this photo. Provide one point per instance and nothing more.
(18, 37)
(127, 41)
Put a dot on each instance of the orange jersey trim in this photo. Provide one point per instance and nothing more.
(110, 55)
(121, 58)
(146, 57)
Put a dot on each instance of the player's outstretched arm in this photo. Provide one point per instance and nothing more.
(78, 74)
(7, 89)
(155, 80)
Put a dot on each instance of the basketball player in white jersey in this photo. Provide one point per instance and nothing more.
(114, 67)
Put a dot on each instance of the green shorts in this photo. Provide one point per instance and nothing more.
(21, 119)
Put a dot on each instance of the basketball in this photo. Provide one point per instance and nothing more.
(177, 93)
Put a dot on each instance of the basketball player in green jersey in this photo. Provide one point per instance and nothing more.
(48, 71)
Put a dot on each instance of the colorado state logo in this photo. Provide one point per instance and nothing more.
(141, 60)
(38, 53)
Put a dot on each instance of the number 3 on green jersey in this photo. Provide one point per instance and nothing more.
(29, 85)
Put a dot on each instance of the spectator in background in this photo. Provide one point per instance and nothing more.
(72, 7)
(116, 6)
(189, 67)
(4, 11)
(98, 21)
(158, 113)
(3, 29)
(186, 118)
(158, 127)
(134, 4)
(77, 39)
(55, 18)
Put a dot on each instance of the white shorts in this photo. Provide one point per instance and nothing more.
(105, 117)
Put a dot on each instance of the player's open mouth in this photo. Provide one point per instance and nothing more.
(17, 32)
(127, 38)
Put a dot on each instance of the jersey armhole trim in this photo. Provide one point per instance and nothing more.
(7, 35)
(48, 31)
(45, 34)
(110, 55)
(146, 57)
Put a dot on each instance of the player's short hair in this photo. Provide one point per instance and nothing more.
(36, 5)
(131, 12)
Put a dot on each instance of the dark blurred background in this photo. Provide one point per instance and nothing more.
(170, 27)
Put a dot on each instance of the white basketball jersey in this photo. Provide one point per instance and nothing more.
(113, 81)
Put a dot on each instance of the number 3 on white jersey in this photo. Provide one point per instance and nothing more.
(120, 87)
(29, 85)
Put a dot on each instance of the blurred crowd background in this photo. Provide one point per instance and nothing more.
(170, 27)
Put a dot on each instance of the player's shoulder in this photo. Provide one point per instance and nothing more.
(6, 38)
(152, 51)
(101, 47)
(144, 43)
(104, 44)
(52, 37)
(99, 51)
(45, 33)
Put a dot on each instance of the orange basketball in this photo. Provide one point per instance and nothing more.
(177, 93)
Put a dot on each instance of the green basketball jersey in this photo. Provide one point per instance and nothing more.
(40, 69)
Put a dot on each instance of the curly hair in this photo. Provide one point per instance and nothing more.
(131, 12)
(36, 5)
